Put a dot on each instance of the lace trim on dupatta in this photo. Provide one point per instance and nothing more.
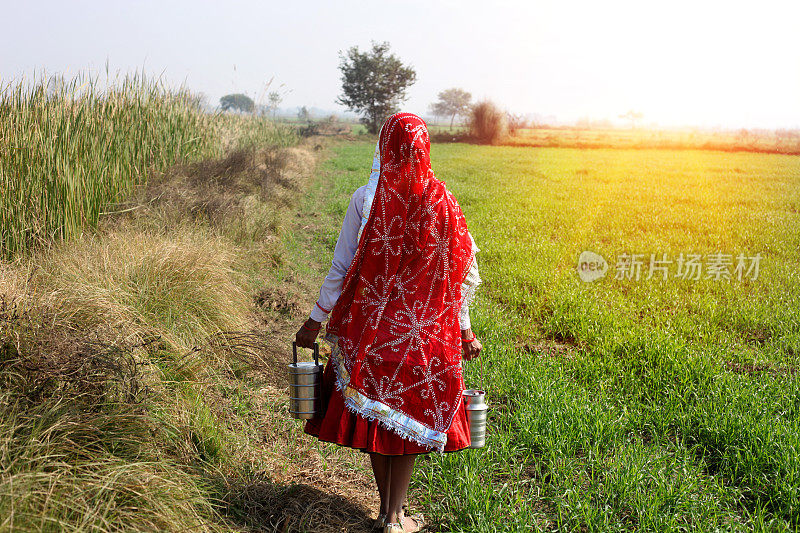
(388, 418)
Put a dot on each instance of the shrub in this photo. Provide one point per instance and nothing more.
(488, 124)
(309, 130)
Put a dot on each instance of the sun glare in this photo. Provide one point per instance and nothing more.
(707, 63)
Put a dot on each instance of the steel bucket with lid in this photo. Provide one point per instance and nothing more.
(305, 386)
(475, 405)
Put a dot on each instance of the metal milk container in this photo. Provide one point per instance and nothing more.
(475, 405)
(305, 386)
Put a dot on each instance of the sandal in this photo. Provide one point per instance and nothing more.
(380, 522)
(419, 523)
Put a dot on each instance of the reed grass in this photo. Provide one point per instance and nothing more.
(65, 470)
(71, 149)
(114, 340)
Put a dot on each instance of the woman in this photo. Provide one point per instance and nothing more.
(398, 292)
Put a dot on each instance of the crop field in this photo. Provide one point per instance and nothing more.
(660, 397)
(780, 141)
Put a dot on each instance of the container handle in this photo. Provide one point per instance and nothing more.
(316, 352)
(483, 376)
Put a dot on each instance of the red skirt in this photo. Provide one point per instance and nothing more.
(342, 426)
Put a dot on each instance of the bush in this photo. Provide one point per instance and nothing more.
(488, 124)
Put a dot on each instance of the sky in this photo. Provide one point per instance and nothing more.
(705, 63)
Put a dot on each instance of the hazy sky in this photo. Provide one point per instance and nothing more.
(696, 62)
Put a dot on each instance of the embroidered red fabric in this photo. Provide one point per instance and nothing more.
(342, 426)
(398, 351)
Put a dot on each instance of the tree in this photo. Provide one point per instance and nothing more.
(452, 102)
(275, 100)
(240, 102)
(374, 83)
(303, 115)
(516, 122)
(633, 116)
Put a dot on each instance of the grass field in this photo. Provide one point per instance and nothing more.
(138, 375)
(621, 404)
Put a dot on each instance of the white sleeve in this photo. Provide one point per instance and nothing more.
(343, 254)
(468, 287)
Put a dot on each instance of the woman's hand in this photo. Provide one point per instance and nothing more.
(470, 344)
(307, 334)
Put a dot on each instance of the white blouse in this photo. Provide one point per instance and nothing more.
(345, 250)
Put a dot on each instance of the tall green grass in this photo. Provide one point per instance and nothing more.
(70, 150)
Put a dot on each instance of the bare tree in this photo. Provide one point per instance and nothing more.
(516, 123)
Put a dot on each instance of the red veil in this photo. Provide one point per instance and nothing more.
(394, 329)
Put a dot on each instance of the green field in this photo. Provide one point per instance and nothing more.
(623, 404)
(155, 262)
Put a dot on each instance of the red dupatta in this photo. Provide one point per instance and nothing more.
(394, 329)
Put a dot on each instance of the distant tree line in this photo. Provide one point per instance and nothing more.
(245, 104)
(374, 84)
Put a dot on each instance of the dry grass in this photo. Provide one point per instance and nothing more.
(241, 196)
(67, 470)
(152, 352)
(104, 363)
(295, 483)
(177, 288)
